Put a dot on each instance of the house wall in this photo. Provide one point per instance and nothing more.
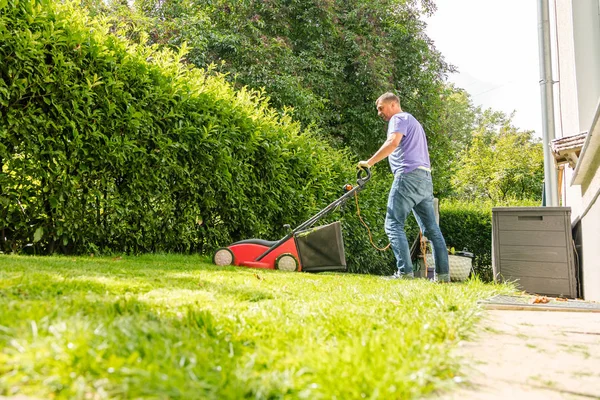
(577, 63)
(586, 20)
(586, 36)
(567, 123)
(572, 195)
(590, 233)
(588, 178)
(567, 118)
(591, 184)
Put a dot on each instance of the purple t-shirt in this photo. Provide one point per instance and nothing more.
(412, 151)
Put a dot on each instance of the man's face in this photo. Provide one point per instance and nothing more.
(386, 109)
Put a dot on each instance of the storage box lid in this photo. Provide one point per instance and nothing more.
(530, 209)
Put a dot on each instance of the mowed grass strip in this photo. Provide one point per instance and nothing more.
(177, 327)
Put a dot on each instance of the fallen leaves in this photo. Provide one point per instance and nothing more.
(544, 299)
(540, 300)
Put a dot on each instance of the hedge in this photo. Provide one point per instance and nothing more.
(109, 146)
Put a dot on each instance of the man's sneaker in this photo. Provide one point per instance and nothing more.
(399, 275)
(442, 278)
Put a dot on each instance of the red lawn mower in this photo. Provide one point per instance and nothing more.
(302, 249)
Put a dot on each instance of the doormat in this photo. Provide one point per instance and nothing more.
(538, 303)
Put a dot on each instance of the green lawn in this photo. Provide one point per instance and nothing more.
(177, 327)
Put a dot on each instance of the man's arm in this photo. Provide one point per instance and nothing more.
(385, 150)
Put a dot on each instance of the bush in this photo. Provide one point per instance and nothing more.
(109, 146)
(328, 60)
(361, 256)
(468, 225)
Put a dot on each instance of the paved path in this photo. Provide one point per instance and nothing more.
(532, 355)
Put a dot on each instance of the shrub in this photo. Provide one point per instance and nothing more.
(469, 225)
(110, 146)
(328, 60)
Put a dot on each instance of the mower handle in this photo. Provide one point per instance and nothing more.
(359, 176)
(361, 179)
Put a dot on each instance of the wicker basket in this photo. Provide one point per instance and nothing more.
(460, 267)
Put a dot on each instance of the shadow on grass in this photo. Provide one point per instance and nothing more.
(40, 285)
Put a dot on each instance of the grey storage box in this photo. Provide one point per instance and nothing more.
(533, 246)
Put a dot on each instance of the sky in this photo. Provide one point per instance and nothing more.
(494, 45)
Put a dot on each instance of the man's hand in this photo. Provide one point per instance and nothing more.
(363, 165)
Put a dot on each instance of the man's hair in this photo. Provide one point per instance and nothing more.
(387, 97)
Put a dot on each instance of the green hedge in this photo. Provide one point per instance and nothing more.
(109, 146)
(468, 225)
(464, 224)
(362, 256)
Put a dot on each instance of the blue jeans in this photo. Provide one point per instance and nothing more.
(414, 192)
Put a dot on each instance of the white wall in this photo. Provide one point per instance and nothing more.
(567, 107)
(586, 22)
(591, 185)
(590, 232)
(567, 112)
(586, 31)
(572, 195)
(578, 71)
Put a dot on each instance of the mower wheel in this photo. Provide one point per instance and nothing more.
(286, 262)
(223, 256)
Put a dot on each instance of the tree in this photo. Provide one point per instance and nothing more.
(501, 162)
(328, 60)
(454, 119)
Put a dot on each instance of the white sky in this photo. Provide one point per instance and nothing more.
(494, 45)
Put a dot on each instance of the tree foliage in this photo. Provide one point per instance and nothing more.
(455, 120)
(328, 60)
(501, 163)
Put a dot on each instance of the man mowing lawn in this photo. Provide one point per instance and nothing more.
(412, 189)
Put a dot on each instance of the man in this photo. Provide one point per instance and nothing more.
(412, 190)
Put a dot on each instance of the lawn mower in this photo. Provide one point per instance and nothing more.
(301, 249)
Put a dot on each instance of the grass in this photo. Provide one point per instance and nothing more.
(577, 348)
(177, 327)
